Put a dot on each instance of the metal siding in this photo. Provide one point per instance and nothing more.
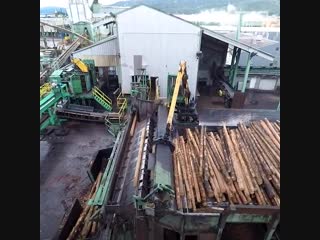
(267, 84)
(260, 62)
(104, 54)
(103, 49)
(162, 40)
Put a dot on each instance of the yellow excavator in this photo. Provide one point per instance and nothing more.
(186, 113)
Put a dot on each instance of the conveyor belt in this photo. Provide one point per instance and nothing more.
(80, 115)
(124, 189)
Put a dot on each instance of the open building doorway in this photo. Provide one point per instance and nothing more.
(211, 71)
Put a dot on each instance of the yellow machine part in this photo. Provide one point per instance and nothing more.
(182, 71)
(83, 67)
(44, 89)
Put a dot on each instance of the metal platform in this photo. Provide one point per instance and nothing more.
(231, 117)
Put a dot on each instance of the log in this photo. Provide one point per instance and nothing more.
(176, 178)
(250, 153)
(201, 153)
(87, 223)
(268, 141)
(75, 230)
(260, 154)
(186, 163)
(243, 165)
(239, 165)
(272, 130)
(235, 161)
(190, 137)
(265, 128)
(205, 155)
(139, 158)
(185, 175)
(215, 152)
(262, 138)
(226, 153)
(194, 176)
(201, 188)
(133, 127)
(269, 161)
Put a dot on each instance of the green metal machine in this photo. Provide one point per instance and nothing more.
(170, 88)
(140, 85)
(48, 104)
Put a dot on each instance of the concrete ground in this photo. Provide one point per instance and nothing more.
(254, 100)
(258, 105)
(231, 117)
(63, 165)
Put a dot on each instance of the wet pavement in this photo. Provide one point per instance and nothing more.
(231, 117)
(63, 165)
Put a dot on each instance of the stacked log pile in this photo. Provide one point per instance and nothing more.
(230, 166)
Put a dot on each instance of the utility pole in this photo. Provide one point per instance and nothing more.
(239, 25)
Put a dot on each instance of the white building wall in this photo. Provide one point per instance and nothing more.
(105, 54)
(162, 40)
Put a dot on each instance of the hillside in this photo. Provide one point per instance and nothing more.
(195, 6)
(52, 10)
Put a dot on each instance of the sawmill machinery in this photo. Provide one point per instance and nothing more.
(86, 100)
(80, 78)
(136, 199)
(51, 96)
(226, 91)
(181, 106)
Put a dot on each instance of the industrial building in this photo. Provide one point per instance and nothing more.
(150, 131)
(143, 33)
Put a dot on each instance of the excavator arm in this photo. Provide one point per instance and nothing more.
(181, 74)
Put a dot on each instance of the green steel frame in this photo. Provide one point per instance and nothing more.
(48, 104)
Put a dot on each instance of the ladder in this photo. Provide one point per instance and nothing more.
(116, 121)
(102, 99)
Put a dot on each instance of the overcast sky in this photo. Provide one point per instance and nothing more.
(64, 3)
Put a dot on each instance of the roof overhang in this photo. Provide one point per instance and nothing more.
(253, 51)
(97, 43)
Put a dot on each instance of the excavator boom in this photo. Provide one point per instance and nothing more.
(181, 73)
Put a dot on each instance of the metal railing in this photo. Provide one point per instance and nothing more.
(96, 91)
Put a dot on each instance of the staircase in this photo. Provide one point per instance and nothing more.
(116, 121)
(102, 99)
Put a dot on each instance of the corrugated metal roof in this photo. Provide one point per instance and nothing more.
(215, 35)
(252, 40)
(239, 44)
(106, 46)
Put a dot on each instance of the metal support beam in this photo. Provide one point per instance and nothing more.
(236, 68)
(221, 225)
(234, 52)
(272, 226)
(66, 30)
(246, 74)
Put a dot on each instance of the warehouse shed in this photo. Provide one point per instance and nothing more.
(149, 39)
(162, 40)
